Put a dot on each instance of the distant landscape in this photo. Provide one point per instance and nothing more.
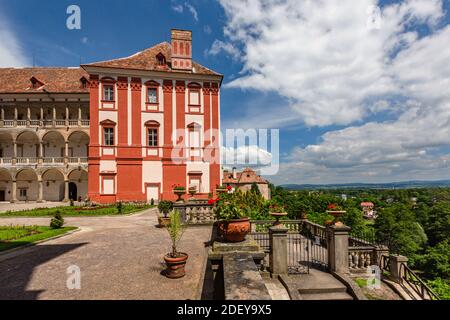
(391, 185)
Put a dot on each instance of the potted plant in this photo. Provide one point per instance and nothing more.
(221, 189)
(277, 211)
(175, 261)
(164, 208)
(192, 191)
(234, 223)
(179, 190)
(337, 212)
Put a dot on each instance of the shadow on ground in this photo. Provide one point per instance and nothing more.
(16, 272)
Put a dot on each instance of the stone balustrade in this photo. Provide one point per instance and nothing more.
(196, 212)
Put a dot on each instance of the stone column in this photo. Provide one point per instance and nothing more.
(42, 116)
(397, 271)
(67, 116)
(337, 243)
(15, 116)
(14, 192)
(14, 160)
(40, 191)
(79, 116)
(28, 116)
(66, 190)
(2, 115)
(66, 152)
(278, 250)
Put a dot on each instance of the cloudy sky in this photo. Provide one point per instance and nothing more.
(360, 89)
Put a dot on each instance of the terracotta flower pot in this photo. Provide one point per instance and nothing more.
(175, 266)
(235, 230)
(163, 222)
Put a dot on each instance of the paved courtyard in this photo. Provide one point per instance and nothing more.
(119, 258)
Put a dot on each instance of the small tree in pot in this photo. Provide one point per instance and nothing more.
(175, 261)
(164, 208)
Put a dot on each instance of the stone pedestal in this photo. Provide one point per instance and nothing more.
(278, 259)
(337, 240)
(397, 272)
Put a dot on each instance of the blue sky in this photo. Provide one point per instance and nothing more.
(351, 104)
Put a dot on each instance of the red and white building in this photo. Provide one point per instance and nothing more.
(155, 120)
(120, 130)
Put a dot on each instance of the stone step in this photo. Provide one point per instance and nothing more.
(319, 282)
(327, 296)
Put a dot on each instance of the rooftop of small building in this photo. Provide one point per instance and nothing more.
(248, 175)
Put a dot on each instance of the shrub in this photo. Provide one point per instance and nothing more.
(57, 221)
(119, 207)
(165, 207)
(71, 202)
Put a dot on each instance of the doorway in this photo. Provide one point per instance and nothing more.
(73, 193)
(2, 195)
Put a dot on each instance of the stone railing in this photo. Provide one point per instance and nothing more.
(196, 212)
(25, 161)
(360, 257)
(5, 161)
(53, 160)
(45, 123)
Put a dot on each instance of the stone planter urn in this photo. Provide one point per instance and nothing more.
(192, 192)
(277, 216)
(179, 193)
(337, 214)
(234, 230)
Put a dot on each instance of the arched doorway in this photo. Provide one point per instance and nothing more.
(73, 191)
(78, 178)
(5, 185)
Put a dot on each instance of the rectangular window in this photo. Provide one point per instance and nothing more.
(194, 97)
(108, 186)
(109, 136)
(108, 93)
(152, 95)
(194, 139)
(152, 137)
(23, 193)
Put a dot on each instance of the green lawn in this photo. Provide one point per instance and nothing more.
(15, 236)
(68, 211)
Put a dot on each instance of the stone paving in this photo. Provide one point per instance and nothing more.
(119, 258)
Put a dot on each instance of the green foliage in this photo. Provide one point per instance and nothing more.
(68, 211)
(175, 229)
(396, 226)
(165, 207)
(254, 188)
(241, 204)
(441, 287)
(57, 221)
(71, 203)
(320, 218)
(435, 261)
(15, 232)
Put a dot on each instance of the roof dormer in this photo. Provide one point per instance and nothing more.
(84, 82)
(160, 59)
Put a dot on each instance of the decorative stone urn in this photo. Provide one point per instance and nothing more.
(337, 214)
(277, 216)
(192, 191)
(179, 193)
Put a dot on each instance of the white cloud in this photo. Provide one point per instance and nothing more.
(207, 29)
(11, 52)
(334, 70)
(192, 10)
(219, 46)
(179, 8)
(243, 156)
(84, 40)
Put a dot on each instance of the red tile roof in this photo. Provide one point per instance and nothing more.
(146, 60)
(367, 204)
(53, 80)
(245, 177)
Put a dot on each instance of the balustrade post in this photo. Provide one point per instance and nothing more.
(337, 244)
(397, 272)
(278, 250)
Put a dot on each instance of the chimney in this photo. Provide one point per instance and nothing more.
(181, 49)
(234, 173)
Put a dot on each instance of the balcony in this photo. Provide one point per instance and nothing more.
(45, 161)
(55, 123)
